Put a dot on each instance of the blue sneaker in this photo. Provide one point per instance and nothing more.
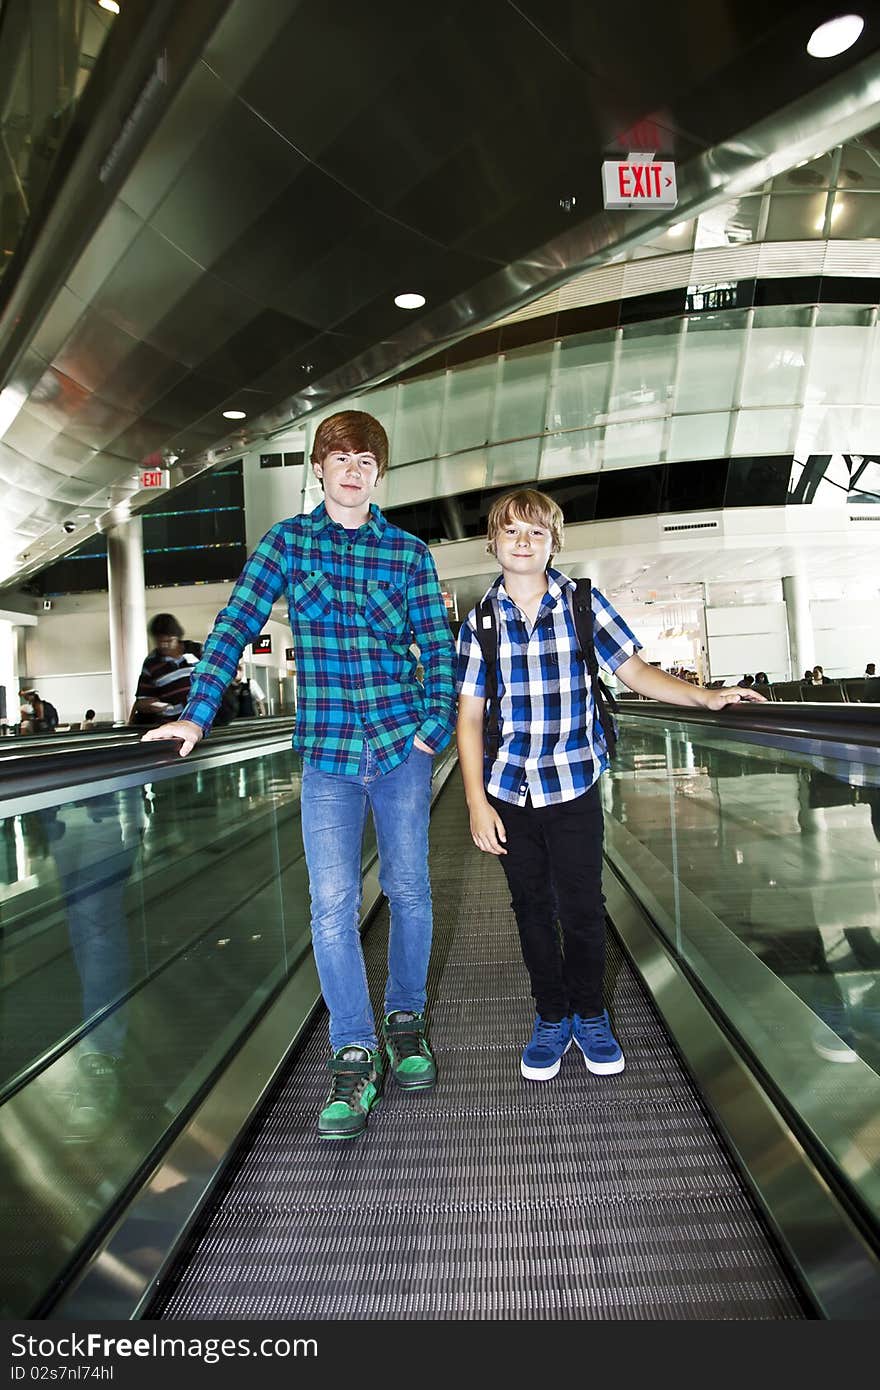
(602, 1051)
(546, 1048)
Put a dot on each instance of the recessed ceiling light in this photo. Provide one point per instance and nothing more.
(678, 229)
(409, 301)
(836, 36)
(110, 5)
(234, 415)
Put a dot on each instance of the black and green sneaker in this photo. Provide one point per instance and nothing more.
(409, 1056)
(356, 1086)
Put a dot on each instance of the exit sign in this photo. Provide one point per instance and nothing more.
(639, 181)
(152, 478)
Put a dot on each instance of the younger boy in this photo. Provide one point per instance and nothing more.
(536, 802)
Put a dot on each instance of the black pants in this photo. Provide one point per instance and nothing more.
(554, 871)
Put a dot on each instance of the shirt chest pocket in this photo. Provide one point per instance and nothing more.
(313, 596)
(385, 610)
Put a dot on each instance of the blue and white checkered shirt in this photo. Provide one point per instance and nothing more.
(551, 747)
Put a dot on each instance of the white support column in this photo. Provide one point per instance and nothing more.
(128, 612)
(801, 642)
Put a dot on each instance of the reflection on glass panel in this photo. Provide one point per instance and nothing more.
(577, 452)
(417, 428)
(678, 237)
(522, 393)
(469, 406)
(836, 357)
(409, 483)
(635, 442)
(699, 436)
(463, 473)
(796, 217)
(709, 364)
(872, 385)
(645, 372)
(856, 216)
(765, 431)
(514, 463)
(808, 176)
(757, 482)
(775, 366)
(729, 224)
(767, 887)
(826, 429)
(583, 374)
(40, 100)
(860, 165)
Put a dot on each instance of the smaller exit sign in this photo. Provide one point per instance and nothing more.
(153, 478)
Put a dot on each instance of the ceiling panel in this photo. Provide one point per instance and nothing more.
(318, 159)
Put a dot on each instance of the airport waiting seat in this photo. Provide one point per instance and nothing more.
(831, 694)
(872, 691)
(855, 691)
(788, 690)
(765, 690)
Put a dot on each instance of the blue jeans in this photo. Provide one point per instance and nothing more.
(334, 813)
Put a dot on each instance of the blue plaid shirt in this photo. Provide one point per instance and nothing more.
(356, 604)
(551, 747)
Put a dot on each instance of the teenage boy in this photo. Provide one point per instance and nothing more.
(359, 592)
(536, 804)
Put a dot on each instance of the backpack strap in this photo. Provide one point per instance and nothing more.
(487, 637)
(584, 624)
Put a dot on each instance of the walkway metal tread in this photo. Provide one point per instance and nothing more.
(491, 1197)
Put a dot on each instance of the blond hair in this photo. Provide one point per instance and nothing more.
(526, 505)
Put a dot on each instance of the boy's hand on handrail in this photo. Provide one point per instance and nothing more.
(487, 829)
(189, 734)
(732, 695)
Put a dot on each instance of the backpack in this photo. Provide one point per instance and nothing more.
(604, 702)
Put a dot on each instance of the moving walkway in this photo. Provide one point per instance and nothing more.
(729, 1172)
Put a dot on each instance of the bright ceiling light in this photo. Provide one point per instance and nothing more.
(234, 415)
(110, 5)
(409, 301)
(836, 36)
(678, 229)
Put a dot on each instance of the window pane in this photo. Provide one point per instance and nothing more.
(469, 406)
(583, 375)
(410, 483)
(522, 393)
(765, 431)
(514, 463)
(699, 436)
(636, 442)
(795, 217)
(836, 359)
(645, 372)
(417, 426)
(577, 452)
(775, 366)
(709, 366)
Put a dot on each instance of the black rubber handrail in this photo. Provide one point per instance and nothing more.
(37, 772)
(827, 723)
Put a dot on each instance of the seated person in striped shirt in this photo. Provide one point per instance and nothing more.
(535, 803)
(163, 685)
(359, 593)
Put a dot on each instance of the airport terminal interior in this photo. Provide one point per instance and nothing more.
(224, 221)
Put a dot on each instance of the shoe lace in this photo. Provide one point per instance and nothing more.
(596, 1029)
(405, 1035)
(348, 1077)
(548, 1032)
